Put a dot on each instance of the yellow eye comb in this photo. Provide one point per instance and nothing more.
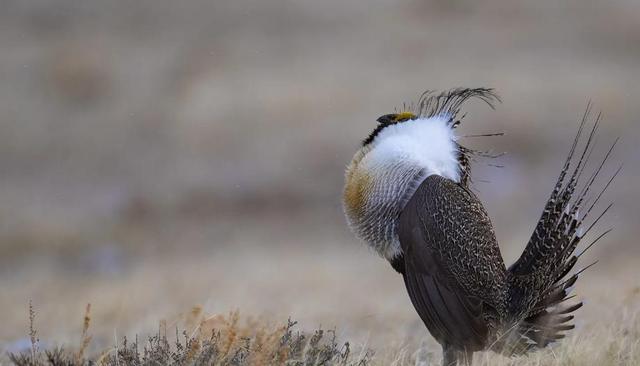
(404, 116)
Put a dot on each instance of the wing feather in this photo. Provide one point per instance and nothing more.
(453, 270)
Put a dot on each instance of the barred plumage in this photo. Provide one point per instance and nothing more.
(537, 279)
(447, 252)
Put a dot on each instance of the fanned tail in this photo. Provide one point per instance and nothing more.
(540, 283)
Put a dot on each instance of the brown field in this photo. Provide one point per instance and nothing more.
(158, 157)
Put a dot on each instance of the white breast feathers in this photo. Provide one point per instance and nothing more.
(385, 173)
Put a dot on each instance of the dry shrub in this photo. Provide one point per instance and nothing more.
(216, 340)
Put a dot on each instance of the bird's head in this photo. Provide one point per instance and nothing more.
(388, 120)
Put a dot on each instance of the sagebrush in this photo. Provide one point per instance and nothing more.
(217, 340)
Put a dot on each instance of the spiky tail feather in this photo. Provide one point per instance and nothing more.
(539, 280)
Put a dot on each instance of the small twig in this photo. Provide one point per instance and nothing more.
(32, 333)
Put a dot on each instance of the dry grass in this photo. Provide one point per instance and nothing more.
(216, 340)
(614, 345)
(228, 340)
(356, 294)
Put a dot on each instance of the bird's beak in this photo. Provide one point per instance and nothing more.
(386, 118)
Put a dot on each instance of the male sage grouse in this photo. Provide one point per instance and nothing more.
(407, 195)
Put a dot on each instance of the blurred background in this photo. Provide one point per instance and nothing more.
(155, 155)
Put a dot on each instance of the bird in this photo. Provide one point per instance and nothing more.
(409, 196)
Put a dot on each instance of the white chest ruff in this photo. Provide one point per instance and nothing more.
(385, 174)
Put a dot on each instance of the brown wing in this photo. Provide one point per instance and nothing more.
(453, 269)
